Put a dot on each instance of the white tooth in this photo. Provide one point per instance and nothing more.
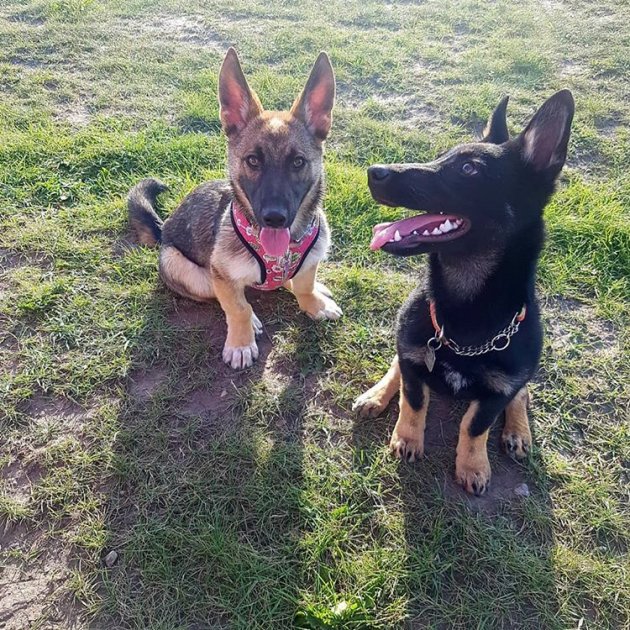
(415, 232)
(458, 222)
(391, 240)
(425, 233)
(436, 232)
(397, 236)
(449, 225)
(443, 228)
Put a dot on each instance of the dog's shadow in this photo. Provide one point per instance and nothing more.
(213, 468)
(482, 541)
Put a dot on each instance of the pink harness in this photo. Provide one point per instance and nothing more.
(274, 271)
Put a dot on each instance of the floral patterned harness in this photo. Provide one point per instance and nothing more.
(274, 271)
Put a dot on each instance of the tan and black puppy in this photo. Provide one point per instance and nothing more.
(265, 227)
(473, 331)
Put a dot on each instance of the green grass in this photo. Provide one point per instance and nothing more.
(257, 500)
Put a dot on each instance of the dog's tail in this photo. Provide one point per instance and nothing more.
(143, 218)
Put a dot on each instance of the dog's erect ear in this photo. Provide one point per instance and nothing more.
(496, 130)
(545, 139)
(238, 103)
(314, 105)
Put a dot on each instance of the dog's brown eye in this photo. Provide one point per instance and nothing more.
(468, 168)
(298, 162)
(253, 161)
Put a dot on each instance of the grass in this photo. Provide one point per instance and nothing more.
(257, 500)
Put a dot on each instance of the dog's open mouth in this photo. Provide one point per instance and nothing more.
(424, 228)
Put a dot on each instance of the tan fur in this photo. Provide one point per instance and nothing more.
(314, 303)
(183, 276)
(407, 441)
(516, 436)
(373, 402)
(466, 278)
(143, 234)
(472, 468)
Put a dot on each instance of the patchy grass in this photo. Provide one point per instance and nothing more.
(255, 500)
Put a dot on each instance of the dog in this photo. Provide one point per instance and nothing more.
(474, 331)
(264, 227)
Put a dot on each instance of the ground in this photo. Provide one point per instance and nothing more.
(257, 499)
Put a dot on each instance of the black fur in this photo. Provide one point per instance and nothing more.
(141, 205)
(481, 279)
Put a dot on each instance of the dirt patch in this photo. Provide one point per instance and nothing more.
(144, 384)
(59, 415)
(569, 68)
(76, 113)
(18, 479)
(33, 581)
(570, 323)
(191, 30)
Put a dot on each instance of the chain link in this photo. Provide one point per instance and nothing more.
(498, 343)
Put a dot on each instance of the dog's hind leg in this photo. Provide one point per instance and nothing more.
(183, 276)
(516, 436)
(373, 402)
(314, 301)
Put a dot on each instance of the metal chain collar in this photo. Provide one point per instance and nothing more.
(498, 343)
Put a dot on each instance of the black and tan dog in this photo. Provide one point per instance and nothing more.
(474, 332)
(265, 227)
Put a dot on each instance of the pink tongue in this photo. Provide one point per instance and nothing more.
(384, 232)
(275, 241)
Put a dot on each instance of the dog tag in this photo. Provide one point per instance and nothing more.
(429, 358)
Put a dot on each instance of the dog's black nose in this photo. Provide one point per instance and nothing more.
(274, 218)
(378, 173)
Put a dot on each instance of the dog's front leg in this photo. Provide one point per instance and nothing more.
(517, 437)
(313, 298)
(240, 349)
(373, 402)
(407, 441)
(472, 468)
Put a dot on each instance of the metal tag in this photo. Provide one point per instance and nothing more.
(429, 358)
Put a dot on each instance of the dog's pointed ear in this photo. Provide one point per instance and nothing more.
(315, 103)
(239, 104)
(496, 130)
(545, 139)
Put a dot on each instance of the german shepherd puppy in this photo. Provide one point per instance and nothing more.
(265, 227)
(474, 331)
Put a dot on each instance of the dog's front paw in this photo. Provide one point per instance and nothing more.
(371, 403)
(239, 357)
(406, 447)
(321, 306)
(473, 473)
(322, 288)
(517, 442)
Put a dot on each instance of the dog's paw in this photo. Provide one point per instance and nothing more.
(516, 443)
(241, 356)
(406, 448)
(257, 325)
(322, 288)
(473, 474)
(370, 404)
(324, 307)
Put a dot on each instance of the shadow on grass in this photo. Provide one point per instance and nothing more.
(471, 562)
(205, 514)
